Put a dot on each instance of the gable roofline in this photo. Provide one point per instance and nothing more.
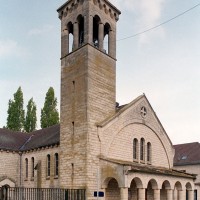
(126, 107)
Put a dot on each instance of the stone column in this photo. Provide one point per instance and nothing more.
(156, 194)
(76, 33)
(181, 195)
(64, 43)
(112, 44)
(175, 194)
(190, 195)
(124, 193)
(141, 193)
(169, 194)
(101, 36)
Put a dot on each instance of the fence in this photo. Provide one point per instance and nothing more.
(7, 193)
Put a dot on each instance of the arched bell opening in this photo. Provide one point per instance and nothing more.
(80, 20)
(96, 22)
(106, 37)
(70, 29)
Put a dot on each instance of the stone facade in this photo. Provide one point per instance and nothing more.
(124, 151)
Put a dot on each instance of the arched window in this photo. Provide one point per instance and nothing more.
(71, 36)
(106, 37)
(135, 147)
(142, 143)
(48, 165)
(32, 167)
(56, 164)
(96, 21)
(26, 163)
(80, 20)
(149, 152)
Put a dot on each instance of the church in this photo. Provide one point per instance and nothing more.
(100, 149)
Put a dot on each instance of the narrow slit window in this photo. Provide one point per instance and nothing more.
(26, 163)
(149, 152)
(142, 149)
(135, 144)
(56, 164)
(33, 174)
(48, 165)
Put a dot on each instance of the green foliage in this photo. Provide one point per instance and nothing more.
(31, 118)
(49, 113)
(15, 119)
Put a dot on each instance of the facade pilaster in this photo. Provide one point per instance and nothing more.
(101, 36)
(75, 36)
(64, 43)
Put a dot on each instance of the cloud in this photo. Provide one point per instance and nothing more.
(10, 47)
(40, 31)
(147, 14)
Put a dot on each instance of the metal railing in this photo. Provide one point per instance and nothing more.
(41, 194)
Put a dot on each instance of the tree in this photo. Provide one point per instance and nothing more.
(49, 113)
(31, 118)
(15, 119)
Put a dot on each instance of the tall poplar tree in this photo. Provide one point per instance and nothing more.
(31, 118)
(49, 113)
(15, 119)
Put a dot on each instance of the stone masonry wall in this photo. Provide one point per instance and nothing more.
(9, 166)
(40, 179)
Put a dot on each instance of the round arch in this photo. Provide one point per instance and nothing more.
(112, 191)
(137, 182)
(153, 183)
(188, 186)
(178, 185)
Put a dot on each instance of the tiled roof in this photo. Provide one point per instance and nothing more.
(17, 141)
(149, 169)
(10, 140)
(187, 154)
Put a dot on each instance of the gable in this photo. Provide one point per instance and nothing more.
(135, 120)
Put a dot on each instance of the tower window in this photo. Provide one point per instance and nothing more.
(72, 127)
(96, 21)
(106, 37)
(71, 36)
(80, 21)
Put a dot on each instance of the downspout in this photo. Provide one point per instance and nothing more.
(20, 169)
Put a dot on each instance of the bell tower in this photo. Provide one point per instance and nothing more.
(88, 86)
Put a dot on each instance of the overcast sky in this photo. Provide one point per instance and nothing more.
(163, 63)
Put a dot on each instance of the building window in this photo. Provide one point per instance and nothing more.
(135, 147)
(48, 165)
(32, 167)
(26, 163)
(142, 149)
(56, 165)
(149, 152)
